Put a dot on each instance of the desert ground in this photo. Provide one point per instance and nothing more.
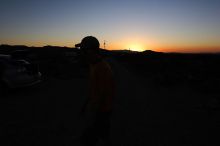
(146, 111)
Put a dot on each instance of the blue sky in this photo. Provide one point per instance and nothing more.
(165, 25)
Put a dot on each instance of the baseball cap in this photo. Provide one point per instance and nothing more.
(89, 42)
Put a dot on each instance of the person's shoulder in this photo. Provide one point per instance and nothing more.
(102, 67)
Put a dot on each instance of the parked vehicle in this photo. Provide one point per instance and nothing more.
(17, 73)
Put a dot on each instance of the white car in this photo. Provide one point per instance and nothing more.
(17, 73)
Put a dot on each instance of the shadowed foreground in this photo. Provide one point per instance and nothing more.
(143, 114)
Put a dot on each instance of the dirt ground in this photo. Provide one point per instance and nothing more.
(47, 114)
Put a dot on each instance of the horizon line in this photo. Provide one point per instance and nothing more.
(154, 50)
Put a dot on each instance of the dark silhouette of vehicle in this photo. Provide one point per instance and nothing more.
(17, 73)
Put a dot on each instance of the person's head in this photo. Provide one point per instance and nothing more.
(89, 47)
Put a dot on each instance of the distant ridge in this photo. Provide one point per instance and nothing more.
(5, 48)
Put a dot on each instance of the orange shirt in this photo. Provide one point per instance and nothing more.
(101, 87)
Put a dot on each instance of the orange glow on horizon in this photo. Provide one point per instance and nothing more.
(135, 47)
(132, 44)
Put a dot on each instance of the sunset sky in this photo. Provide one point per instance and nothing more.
(160, 25)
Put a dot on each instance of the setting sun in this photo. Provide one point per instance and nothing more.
(136, 47)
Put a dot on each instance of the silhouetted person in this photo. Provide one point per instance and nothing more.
(101, 92)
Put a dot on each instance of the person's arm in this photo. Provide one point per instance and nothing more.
(91, 102)
(90, 105)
